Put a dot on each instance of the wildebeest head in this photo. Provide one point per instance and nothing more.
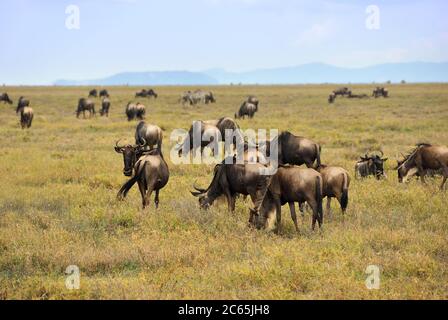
(4, 97)
(130, 156)
(209, 195)
(204, 200)
(378, 165)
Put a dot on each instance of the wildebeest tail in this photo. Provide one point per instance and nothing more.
(318, 194)
(344, 197)
(318, 150)
(128, 185)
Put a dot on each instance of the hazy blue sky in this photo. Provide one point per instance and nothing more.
(237, 35)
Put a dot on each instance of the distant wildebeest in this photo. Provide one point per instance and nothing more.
(246, 109)
(357, 96)
(336, 183)
(380, 92)
(289, 185)
(93, 93)
(295, 150)
(148, 134)
(370, 165)
(135, 111)
(105, 106)
(425, 156)
(146, 94)
(213, 132)
(5, 98)
(230, 180)
(254, 100)
(196, 97)
(341, 91)
(104, 94)
(26, 117)
(151, 173)
(331, 97)
(22, 103)
(85, 105)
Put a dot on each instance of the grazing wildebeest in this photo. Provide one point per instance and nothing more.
(341, 91)
(152, 93)
(93, 93)
(296, 150)
(104, 94)
(380, 92)
(140, 111)
(5, 98)
(289, 185)
(199, 96)
(148, 134)
(232, 179)
(151, 173)
(26, 117)
(246, 109)
(425, 156)
(213, 132)
(22, 103)
(331, 97)
(85, 105)
(105, 106)
(135, 111)
(131, 110)
(357, 96)
(370, 165)
(336, 183)
(142, 94)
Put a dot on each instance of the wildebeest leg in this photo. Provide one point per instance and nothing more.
(156, 199)
(141, 187)
(329, 206)
(445, 177)
(302, 208)
(148, 194)
(292, 209)
(278, 208)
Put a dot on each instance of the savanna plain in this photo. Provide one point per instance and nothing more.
(58, 206)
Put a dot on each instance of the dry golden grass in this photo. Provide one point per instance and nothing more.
(58, 206)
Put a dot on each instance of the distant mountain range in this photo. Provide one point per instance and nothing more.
(307, 73)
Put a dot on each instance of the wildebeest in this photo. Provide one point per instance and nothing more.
(85, 105)
(149, 135)
(370, 165)
(214, 131)
(105, 106)
(230, 180)
(296, 150)
(135, 111)
(247, 109)
(380, 92)
(151, 174)
(341, 91)
(289, 185)
(336, 183)
(22, 103)
(104, 94)
(93, 93)
(425, 156)
(146, 94)
(196, 97)
(5, 98)
(26, 117)
(331, 97)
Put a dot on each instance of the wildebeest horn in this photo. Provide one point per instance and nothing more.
(144, 143)
(198, 189)
(116, 144)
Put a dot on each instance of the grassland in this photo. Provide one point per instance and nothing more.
(58, 208)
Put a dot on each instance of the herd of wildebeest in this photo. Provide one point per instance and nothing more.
(291, 183)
